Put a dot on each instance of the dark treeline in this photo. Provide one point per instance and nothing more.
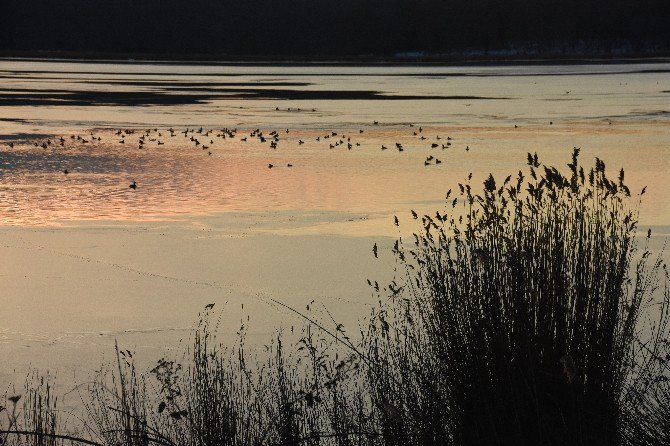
(329, 28)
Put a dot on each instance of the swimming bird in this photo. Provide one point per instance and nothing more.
(270, 166)
(65, 171)
(289, 165)
(133, 185)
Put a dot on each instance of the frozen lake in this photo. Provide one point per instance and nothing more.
(85, 260)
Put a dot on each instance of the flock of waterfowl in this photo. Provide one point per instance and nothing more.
(208, 139)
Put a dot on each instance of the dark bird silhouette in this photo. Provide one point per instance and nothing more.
(65, 171)
(270, 166)
(374, 250)
(133, 185)
(209, 306)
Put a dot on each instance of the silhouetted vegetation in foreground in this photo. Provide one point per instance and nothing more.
(524, 313)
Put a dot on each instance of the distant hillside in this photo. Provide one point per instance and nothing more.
(336, 27)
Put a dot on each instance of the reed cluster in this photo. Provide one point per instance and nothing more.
(523, 317)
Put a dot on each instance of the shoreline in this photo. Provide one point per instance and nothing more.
(353, 61)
